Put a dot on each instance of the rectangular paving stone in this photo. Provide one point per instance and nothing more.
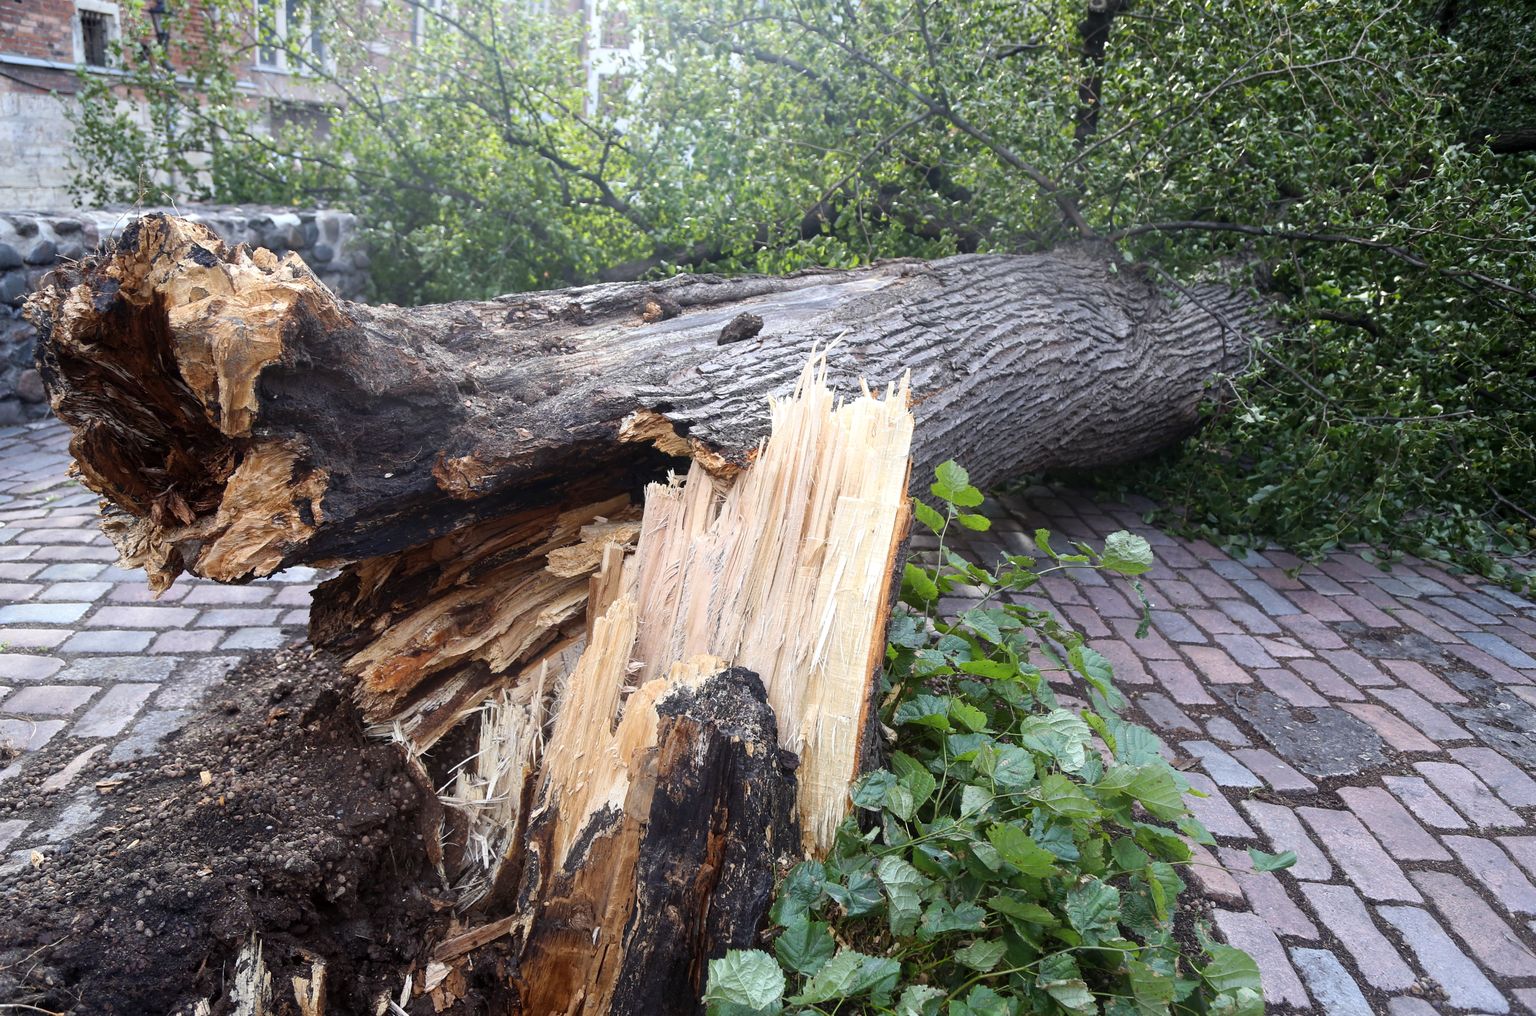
(1358, 669)
(1247, 651)
(1366, 612)
(28, 734)
(1248, 617)
(1493, 942)
(219, 595)
(1279, 774)
(253, 638)
(1318, 606)
(197, 640)
(1282, 647)
(1267, 897)
(1312, 633)
(1249, 933)
(1431, 722)
(1416, 622)
(1501, 650)
(1331, 985)
(1109, 603)
(1087, 621)
(1338, 908)
(66, 773)
(1269, 599)
(1220, 766)
(1390, 823)
(302, 596)
(80, 572)
(1211, 877)
(1464, 984)
(1285, 832)
(137, 591)
(83, 552)
(1508, 780)
(1469, 794)
(1230, 569)
(32, 638)
(1463, 607)
(300, 619)
(1322, 582)
(10, 829)
(1214, 622)
(1128, 666)
(147, 733)
(141, 617)
(50, 699)
(1175, 627)
(1490, 865)
(1420, 799)
(1181, 683)
(112, 640)
(1290, 687)
(194, 680)
(1496, 669)
(1393, 729)
(43, 613)
(238, 617)
(1522, 849)
(15, 592)
(1329, 682)
(113, 711)
(1163, 715)
(111, 669)
(27, 667)
(1214, 811)
(1224, 731)
(1418, 677)
(1356, 851)
(1216, 666)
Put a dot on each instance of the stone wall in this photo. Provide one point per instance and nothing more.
(31, 243)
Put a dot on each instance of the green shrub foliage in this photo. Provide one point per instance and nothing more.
(1358, 163)
(1002, 862)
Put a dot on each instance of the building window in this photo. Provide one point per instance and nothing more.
(287, 38)
(95, 30)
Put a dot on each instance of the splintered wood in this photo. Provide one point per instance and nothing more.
(784, 571)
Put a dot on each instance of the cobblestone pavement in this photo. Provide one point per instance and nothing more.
(1381, 725)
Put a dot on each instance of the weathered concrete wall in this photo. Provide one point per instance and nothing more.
(32, 243)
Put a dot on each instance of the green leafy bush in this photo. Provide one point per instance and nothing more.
(1002, 863)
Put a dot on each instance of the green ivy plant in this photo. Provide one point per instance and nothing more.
(1017, 855)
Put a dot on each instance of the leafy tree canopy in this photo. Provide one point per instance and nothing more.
(1366, 164)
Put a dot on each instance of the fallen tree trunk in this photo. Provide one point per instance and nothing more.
(477, 470)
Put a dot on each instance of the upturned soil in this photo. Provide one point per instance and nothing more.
(271, 812)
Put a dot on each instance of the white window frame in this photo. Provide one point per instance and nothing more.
(281, 28)
(77, 30)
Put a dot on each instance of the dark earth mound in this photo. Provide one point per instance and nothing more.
(271, 812)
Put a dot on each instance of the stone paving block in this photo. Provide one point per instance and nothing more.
(1420, 799)
(1290, 687)
(1501, 650)
(1522, 849)
(220, 595)
(1495, 944)
(43, 613)
(238, 617)
(1164, 715)
(1469, 794)
(1417, 676)
(114, 710)
(300, 619)
(139, 592)
(1267, 897)
(1491, 866)
(111, 669)
(1282, 647)
(1312, 633)
(112, 640)
(83, 552)
(1213, 622)
(15, 592)
(1109, 603)
(1464, 984)
(1393, 729)
(1331, 985)
(1211, 876)
(1181, 683)
(1214, 811)
(1176, 627)
(26, 667)
(1320, 607)
(1366, 612)
(16, 571)
(1247, 651)
(76, 591)
(1180, 593)
(1416, 622)
(1249, 618)
(1216, 665)
(1430, 721)
(1339, 909)
(79, 572)
(146, 735)
(1463, 607)
(254, 638)
(28, 734)
(1249, 933)
(10, 829)
(190, 642)
(1128, 666)
(194, 680)
(1087, 621)
(1360, 671)
(1508, 780)
(50, 699)
(1220, 766)
(1275, 771)
(1527, 998)
(1270, 600)
(67, 772)
(141, 617)
(1407, 1005)
(1226, 732)
(1230, 569)
(1390, 823)
(1356, 851)
(1496, 669)
(1329, 682)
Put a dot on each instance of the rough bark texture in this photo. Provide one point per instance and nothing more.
(198, 378)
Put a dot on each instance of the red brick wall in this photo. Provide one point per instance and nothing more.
(38, 28)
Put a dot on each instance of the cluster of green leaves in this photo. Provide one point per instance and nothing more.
(1001, 863)
(1329, 154)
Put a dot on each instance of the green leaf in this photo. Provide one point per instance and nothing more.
(800, 891)
(917, 586)
(1093, 908)
(1061, 796)
(804, 946)
(982, 954)
(850, 974)
(925, 711)
(1060, 978)
(1059, 733)
(1008, 765)
(872, 790)
(951, 476)
(746, 977)
(927, 516)
(1020, 850)
(919, 1000)
(1230, 969)
(860, 895)
(914, 776)
(1127, 554)
(967, 715)
(942, 917)
(1271, 862)
(978, 523)
(904, 885)
(1152, 784)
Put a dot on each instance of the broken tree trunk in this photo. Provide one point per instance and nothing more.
(488, 477)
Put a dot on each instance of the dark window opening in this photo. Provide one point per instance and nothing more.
(94, 36)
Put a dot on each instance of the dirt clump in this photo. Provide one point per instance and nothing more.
(271, 812)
